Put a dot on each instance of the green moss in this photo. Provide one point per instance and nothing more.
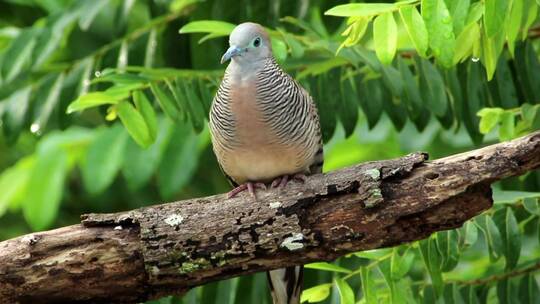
(374, 199)
(188, 267)
(373, 173)
(220, 257)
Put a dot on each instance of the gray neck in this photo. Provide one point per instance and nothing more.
(240, 72)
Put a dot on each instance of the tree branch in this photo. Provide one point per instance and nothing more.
(167, 249)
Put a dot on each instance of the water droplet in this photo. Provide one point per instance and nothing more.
(475, 59)
(34, 128)
(86, 82)
(98, 74)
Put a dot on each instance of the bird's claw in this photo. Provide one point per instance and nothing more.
(282, 181)
(249, 186)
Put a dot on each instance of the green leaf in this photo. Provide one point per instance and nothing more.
(327, 267)
(511, 236)
(416, 28)
(528, 289)
(429, 295)
(325, 97)
(321, 67)
(447, 243)
(361, 9)
(179, 161)
(492, 48)
(510, 197)
(13, 183)
(368, 286)
(533, 70)
(372, 102)
(279, 48)
(393, 105)
(165, 101)
(355, 31)
(316, 294)
(465, 42)
(74, 140)
(494, 16)
(502, 87)
(530, 17)
(531, 205)
(489, 118)
(17, 57)
(475, 12)
(513, 25)
(216, 28)
(121, 79)
(348, 108)
(525, 63)
(91, 100)
(146, 109)
(451, 294)
(472, 81)
(538, 232)
(385, 37)
(180, 5)
(528, 113)
(440, 31)
(15, 115)
(471, 234)
(432, 261)
(411, 91)
(458, 10)
(50, 102)
(346, 294)
(493, 237)
(469, 292)
(89, 11)
(374, 254)
(140, 164)
(369, 58)
(51, 36)
(295, 47)
(506, 291)
(400, 265)
(103, 159)
(42, 202)
(195, 105)
(134, 123)
(455, 94)
(506, 129)
(432, 87)
(396, 296)
(122, 60)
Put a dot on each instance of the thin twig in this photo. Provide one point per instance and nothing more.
(499, 277)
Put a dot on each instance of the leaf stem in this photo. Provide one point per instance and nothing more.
(499, 277)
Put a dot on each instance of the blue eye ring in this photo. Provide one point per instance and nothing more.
(257, 42)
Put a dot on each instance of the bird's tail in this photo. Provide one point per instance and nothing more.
(286, 284)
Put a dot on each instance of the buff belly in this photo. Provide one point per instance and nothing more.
(262, 164)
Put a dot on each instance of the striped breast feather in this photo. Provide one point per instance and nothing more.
(221, 117)
(290, 111)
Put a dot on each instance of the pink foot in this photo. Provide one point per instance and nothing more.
(250, 186)
(282, 181)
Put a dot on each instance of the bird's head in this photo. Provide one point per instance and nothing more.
(248, 43)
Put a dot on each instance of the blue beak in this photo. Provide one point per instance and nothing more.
(231, 52)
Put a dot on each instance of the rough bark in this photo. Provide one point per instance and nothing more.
(167, 249)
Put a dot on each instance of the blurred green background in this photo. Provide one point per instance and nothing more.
(103, 108)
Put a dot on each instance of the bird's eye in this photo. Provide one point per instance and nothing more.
(257, 42)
